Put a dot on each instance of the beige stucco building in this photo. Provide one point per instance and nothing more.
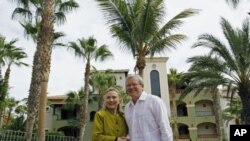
(195, 115)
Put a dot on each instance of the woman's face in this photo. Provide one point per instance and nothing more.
(111, 100)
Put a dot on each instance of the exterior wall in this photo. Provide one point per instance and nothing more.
(200, 117)
(120, 78)
(49, 119)
(158, 64)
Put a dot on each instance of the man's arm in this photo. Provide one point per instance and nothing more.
(162, 120)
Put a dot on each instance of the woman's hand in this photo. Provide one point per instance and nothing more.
(122, 139)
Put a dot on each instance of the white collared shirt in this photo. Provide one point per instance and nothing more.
(148, 120)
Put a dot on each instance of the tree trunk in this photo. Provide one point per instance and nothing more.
(140, 64)
(45, 40)
(41, 66)
(217, 112)
(42, 112)
(1, 118)
(174, 113)
(84, 105)
(244, 93)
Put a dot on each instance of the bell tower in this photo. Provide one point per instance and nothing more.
(156, 79)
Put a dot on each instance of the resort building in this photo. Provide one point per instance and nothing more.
(197, 119)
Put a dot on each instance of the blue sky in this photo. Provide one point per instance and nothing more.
(67, 71)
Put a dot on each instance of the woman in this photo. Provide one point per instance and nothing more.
(109, 123)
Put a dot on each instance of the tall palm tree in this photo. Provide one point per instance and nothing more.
(46, 13)
(226, 64)
(9, 54)
(88, 50)
(16, 55)
(174, 78)
(137, 25)
(41, 63)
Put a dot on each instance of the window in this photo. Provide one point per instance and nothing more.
(92, 116)
(155, 83)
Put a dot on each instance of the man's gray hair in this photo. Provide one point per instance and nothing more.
(136, 76)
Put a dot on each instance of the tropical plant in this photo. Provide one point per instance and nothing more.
(12, 103)
(227, 64)
(47, 13)
(101, 81)
(18, 118)
(74, 99)
(88, 50)
(233, 111)
(174, 78)
(137, 26)
(9, 54)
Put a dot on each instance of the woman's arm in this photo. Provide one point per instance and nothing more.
(98, 129)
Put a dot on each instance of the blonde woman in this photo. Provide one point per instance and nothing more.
(109, 123)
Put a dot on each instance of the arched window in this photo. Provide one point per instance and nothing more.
(155, 83)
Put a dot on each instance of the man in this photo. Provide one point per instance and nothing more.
(145, 114)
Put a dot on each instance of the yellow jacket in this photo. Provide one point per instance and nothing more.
(107, 126)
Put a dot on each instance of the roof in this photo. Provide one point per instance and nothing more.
(57, 99)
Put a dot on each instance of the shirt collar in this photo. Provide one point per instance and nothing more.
(141, 98)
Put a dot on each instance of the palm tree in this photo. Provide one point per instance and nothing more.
(11, 104)
(73, 101)
(88, 50)
(174, 78)
(47, 13)
(9, 54)
(226, 64)
(137, 25)
(18, 122)
(233, 111)
(102, 80)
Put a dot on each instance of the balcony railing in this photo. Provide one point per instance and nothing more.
(207, 136)
(184, 136)
(9, 135)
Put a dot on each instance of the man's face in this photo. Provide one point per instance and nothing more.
(134, 88)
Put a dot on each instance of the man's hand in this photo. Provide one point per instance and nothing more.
(122, 139)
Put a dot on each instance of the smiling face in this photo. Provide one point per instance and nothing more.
(134, 88)
(111, 100)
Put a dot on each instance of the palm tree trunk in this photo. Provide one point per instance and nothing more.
(45, 40)
(174, 113)
(244, 93)
(6, 79)
(42, 112)
(41, 65)
(216, 109)
(2, 97)
(84, 105)
(1, 118)
(140, 64)
(7, 74)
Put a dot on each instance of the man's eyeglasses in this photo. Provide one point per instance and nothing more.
(132, 85)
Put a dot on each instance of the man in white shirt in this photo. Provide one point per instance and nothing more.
(145, 114)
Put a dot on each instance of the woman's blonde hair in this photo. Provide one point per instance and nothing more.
(120, 105)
